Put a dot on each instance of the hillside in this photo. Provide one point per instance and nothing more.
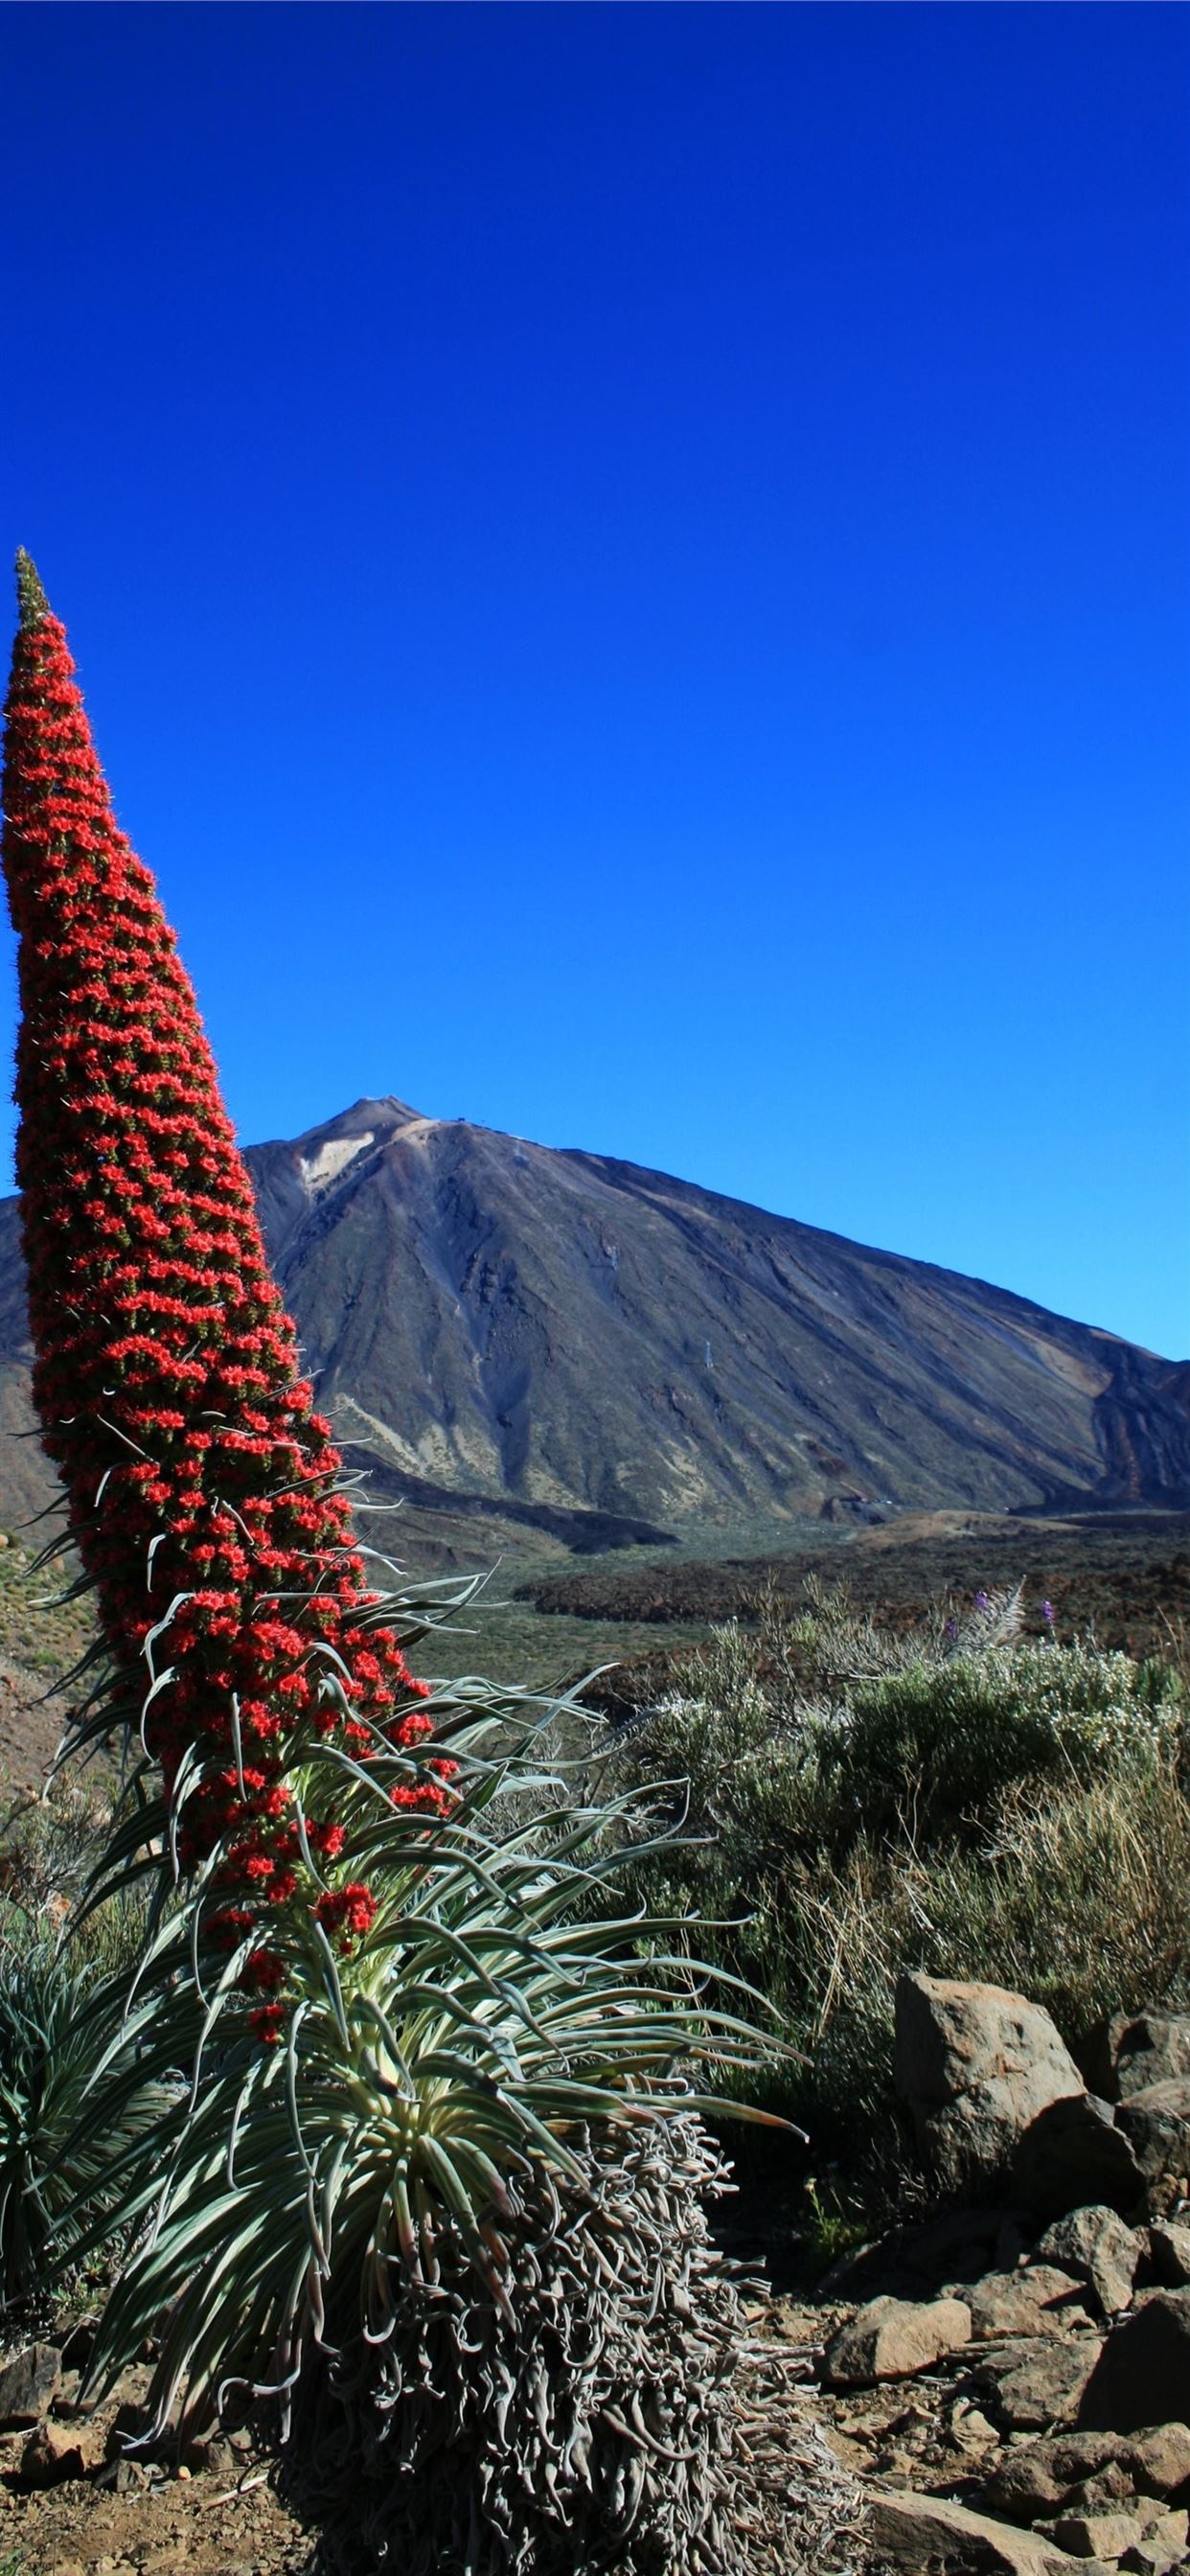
(571, 1348)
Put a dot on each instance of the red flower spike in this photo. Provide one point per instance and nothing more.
(166, 1374)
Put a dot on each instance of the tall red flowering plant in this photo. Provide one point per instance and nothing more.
(200, 1479)
(412, 2210)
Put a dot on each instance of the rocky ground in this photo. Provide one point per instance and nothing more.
(1011, 2401)
(75, 2501)
(1004, 2386)
(1016, 2402)
(1010, 2380)
(194, 2528)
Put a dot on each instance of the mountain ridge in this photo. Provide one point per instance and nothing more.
(587, 1348)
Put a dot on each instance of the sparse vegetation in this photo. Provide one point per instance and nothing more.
(1125, 1576)
(39, 1628)
(962, 1800)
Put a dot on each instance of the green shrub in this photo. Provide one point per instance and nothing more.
(942, 1741)
(1080, 1898)
(806, 1732)
(55, 2167)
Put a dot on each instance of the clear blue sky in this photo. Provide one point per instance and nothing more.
(630, 568)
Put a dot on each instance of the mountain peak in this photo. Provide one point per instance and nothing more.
(586, 1335)
(387, 1112)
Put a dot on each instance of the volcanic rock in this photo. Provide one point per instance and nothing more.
(1160, 2552)
(976, 2066)
(1156, 2123)
(1159, 2460)
(1147, 2048)
(1072, 2469)
(893, 2338)
(920, 2531)
(1097, 2535)
(27, 2383)
(1041, 2476)
(1039, 2384)
(1097, 2245)
(1169, 2254)
(1038, 2301)
(55, 2453)
(1073, 2154)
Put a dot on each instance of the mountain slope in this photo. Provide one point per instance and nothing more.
(544, 1335)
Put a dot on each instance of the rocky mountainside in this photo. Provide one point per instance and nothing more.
(600, 1353)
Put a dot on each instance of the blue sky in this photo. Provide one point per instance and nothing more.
(630, 570)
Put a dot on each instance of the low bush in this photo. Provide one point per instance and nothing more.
(943, 1740)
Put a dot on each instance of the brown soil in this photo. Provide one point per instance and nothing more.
(74, 2502)
(201, 2526)
(31, 1723)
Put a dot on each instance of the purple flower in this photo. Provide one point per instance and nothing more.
(951, 1629)
(1047, 1612)
(983, 1600)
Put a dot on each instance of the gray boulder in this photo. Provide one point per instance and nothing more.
(1103, 2537)
(1042, 2476)
(1169, 2254)
(894, 2338)
(1074, 2154)
(1096, 2245)
(1039, 2384)
(1160, 2461)
(976, 2065)
(1147, 2048)
(1039, 2300)
(27, 2383)
(919, 2532)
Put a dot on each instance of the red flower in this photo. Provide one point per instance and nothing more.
(262, 1972)
(268, 2024)
(327, 1839)
(347, 1911)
